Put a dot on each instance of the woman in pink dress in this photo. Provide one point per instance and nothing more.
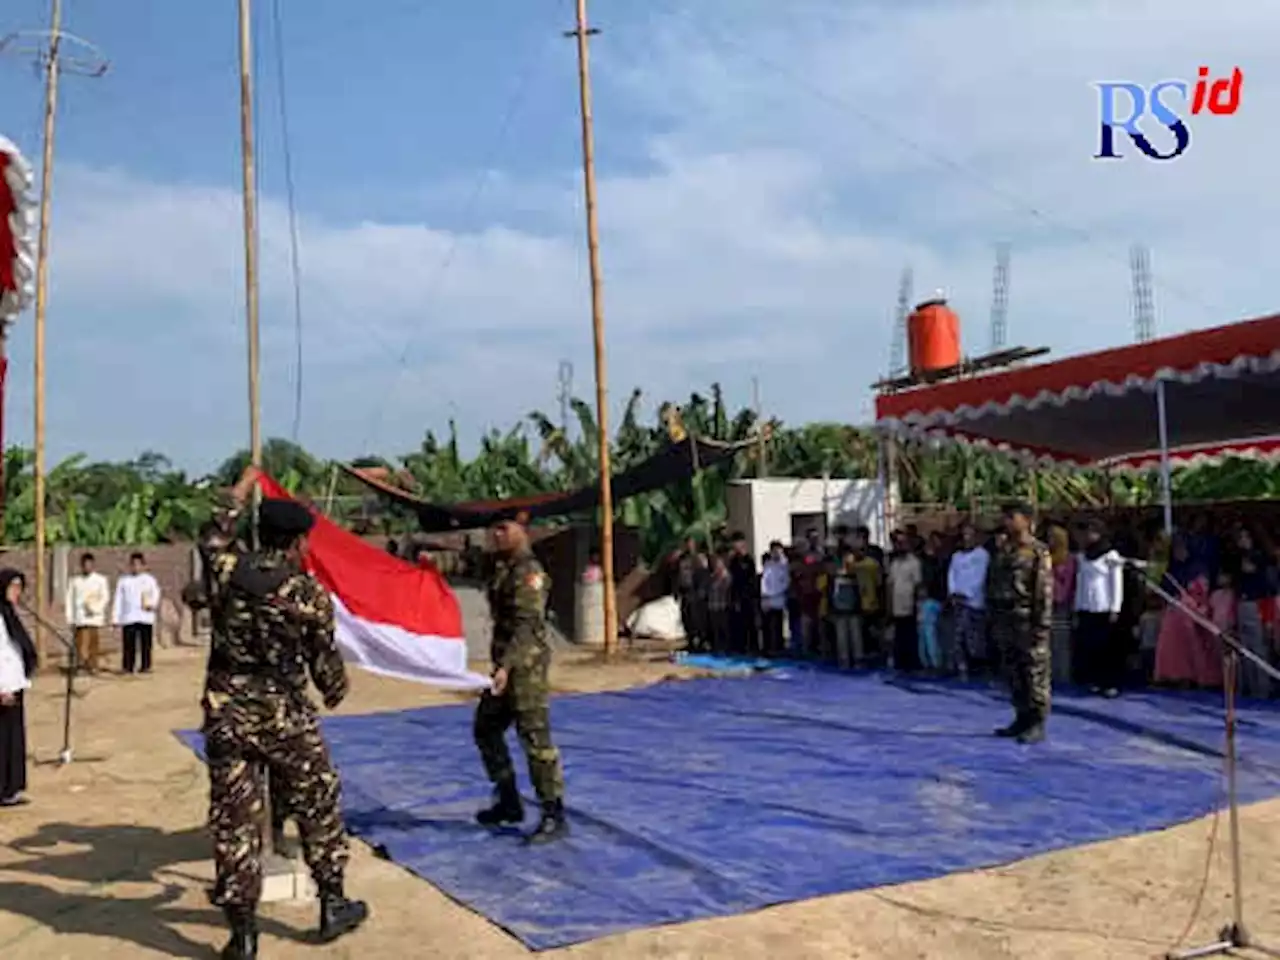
(1183, 648)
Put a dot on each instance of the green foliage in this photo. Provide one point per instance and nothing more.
(148, 501)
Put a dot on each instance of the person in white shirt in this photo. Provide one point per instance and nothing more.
(905, 577)
(17, 664)
(1099, 649)
(88, 597)
(775, 581)
(137, 599)
(967, 590)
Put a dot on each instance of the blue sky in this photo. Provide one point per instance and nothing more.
(765, 175)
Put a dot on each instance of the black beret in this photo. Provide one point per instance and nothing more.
(284, 518)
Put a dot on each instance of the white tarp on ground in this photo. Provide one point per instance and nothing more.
(657, 620)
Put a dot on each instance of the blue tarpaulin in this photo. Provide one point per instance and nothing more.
(717, 796)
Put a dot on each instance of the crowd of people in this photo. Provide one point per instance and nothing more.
(921, 607)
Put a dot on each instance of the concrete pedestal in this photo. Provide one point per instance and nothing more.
(285, 880)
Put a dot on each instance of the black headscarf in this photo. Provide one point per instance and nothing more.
(17, 632)
(1099, 547)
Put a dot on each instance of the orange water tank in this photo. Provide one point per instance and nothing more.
(933, 337)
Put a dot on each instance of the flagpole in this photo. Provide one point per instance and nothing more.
(581, 33)
(42, 308)
(250, 234)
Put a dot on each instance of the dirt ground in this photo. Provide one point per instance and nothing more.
(110, 861)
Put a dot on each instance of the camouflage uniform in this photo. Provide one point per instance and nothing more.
(517, 601)
(1020, 599)
(273, 625)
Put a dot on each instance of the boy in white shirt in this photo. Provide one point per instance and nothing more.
(137, 599)
(87, 599)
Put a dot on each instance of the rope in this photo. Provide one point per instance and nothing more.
(519, 94)
(294, 255)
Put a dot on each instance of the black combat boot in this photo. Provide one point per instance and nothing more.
(1034, 732)
(243, 944)
(1021, 723)
(339, 915)
(552, 826)
(507, 807)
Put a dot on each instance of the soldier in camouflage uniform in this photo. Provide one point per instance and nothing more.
(1020, 598)
(520, 656)
(273, 624)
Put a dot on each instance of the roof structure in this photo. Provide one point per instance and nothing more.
(673, 463)
(1222, 398)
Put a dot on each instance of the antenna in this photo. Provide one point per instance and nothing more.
(898, 349)
(564, 392)
(1000, 299)
(1144, 304)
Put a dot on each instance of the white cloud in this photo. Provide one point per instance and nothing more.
(806, 153)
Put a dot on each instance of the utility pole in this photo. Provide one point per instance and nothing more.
(47, 52)
(582, 34)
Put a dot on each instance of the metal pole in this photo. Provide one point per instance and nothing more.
(1166, 476)
(42, 308)
(582, 32)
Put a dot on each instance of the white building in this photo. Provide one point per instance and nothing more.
(783, 509)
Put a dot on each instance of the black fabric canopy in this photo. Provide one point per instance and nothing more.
(674, 463)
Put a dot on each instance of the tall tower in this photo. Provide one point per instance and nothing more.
(1000, 299)
(1144, 304)
(564, 392)
(898, 350)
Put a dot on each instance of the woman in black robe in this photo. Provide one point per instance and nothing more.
(17, 664)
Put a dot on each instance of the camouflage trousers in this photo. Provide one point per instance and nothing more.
(244, 745)
(525, 704)
(1026, 655)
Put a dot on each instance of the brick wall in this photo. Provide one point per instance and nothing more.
(170, 564)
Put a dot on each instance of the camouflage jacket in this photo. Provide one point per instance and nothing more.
(273, 625)
(1020, 584)
(518, 605)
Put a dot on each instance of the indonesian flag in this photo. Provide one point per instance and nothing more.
(394, 618)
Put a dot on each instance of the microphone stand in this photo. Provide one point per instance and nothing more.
(1233, 936)
(73, 665)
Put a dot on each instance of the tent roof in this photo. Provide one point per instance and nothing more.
(672, 463)
(1222, 390)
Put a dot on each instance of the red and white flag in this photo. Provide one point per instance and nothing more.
(394, 618)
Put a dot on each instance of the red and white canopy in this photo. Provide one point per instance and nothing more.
(1222, 398)
(17, 218)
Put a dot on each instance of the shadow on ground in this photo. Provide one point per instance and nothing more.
(105, 856)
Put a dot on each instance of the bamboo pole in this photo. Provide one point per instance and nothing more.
(42, 308)
(582, 33)
(250, 229)
(251, 311)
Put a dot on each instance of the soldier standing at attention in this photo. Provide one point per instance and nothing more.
(1020, 597)
(272, 626)
(520, 656)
